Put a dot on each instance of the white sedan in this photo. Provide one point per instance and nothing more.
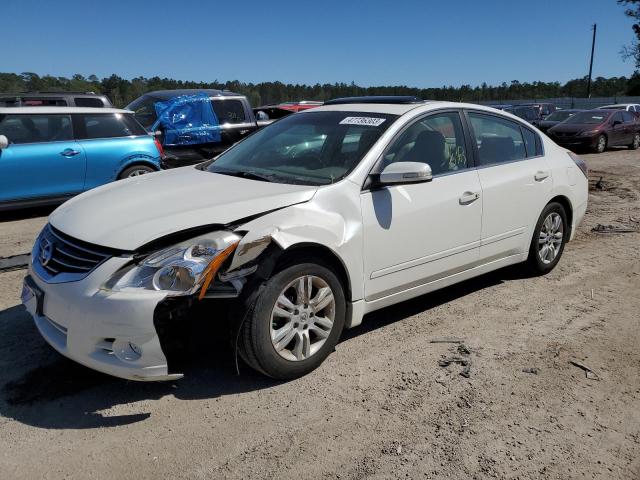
(306, 225)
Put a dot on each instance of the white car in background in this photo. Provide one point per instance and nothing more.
(308, 224)
(629, 107)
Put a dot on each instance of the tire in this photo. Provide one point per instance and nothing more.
(278, 359)
(541, 260)
(635, 144)
(135, 171)
(601, 144)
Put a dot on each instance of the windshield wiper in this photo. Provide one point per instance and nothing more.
(246, 174)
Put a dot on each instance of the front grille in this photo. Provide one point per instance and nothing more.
(59, 253)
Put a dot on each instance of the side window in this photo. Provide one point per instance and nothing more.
(36, 128)
(437, 140)
(532, 143)
(109, 125)
(88, 102)
(627, 117)
(617, 117)
(499, 140)
(229, 111)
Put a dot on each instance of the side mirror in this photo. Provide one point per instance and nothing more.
(616, 122)
(4, 142)
(405, 172)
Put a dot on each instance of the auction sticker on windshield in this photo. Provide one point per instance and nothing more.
(370, 121)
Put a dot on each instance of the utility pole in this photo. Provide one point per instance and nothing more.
(593, 47)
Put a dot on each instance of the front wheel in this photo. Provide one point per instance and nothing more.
(635, 144)
(295, 322)
(601, 144)
(135, 171)
(549, 238)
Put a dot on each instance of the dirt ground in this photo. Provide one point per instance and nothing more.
(380, 406)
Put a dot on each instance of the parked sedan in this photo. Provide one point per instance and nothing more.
(49, 154)
(597, 130)
(298, 231)
(629, 107)
(555, 118)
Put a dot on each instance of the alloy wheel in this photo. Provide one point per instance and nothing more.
(550, 239)
(302, 318)
(137, 172)
(636, 141)
(602, 144)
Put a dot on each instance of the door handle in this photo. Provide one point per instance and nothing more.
(540, 176)
(469, 197)
(69, 152)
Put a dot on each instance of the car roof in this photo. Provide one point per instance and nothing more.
(615, 106)
(49, 110)
(401, 109)
(167, 94)
(50, 94)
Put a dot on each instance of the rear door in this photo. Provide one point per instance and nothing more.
(110, 141)
(43, 160)
(617, 135)
(630, 127)
(516, 183)
(235, 122)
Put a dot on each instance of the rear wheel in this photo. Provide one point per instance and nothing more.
(135, 171)
(601, 144)
(549, 238)
(295, 322)
(635, 144)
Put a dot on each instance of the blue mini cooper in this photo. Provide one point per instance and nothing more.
(48, 154)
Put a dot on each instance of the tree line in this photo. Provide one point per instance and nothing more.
(122, 91)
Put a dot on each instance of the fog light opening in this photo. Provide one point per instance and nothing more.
(127, 351)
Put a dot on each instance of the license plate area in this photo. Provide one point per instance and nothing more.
(30, 290)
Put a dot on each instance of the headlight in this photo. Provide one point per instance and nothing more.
(180, 269)
(589, 133)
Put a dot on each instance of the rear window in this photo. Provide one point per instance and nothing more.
(36, 128)
(32, 102)
(229, 111)
(594, 118)
(89, 102)
(145, 110)
(560, 116)
(107, 126)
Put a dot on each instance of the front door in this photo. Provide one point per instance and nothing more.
(418, 233)
(42, 160)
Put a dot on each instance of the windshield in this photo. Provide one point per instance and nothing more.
(144, 110)
(594, 118)
(311, 148)
(559, 116)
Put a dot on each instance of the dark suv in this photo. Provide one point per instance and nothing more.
(544, 109)
(195, 125)
(526, 112)
(54, 99)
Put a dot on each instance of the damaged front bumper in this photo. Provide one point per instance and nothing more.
(112, 332)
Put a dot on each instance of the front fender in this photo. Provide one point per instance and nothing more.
(337, 227)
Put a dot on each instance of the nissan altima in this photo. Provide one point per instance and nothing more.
(298, 231)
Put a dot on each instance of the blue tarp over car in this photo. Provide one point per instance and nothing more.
(187, 120)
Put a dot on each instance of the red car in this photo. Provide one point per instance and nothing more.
(597, 130)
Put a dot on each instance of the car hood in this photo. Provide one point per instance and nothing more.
(130, 213)
(574, 127)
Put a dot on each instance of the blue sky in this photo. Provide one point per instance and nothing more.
(400, 42)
